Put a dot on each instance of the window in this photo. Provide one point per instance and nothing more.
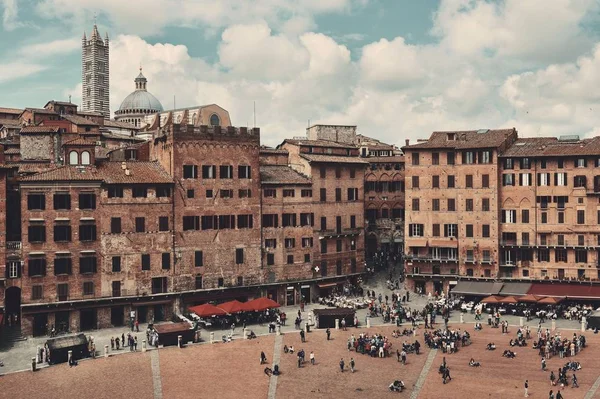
(543, 255)
(270, 243)
(469, 181)
(306, 258)
(353, 194)
(226, 222)
(305, 193)
(190, 171)
(226, 172)
(469, 205)
(270, 193)
(62, 291)
(579, 181)
(323, 172)
(415, 158)
(525, 179)
(163, 223)
(166, 260)
(36, 202)
(270, 259)
(36, 292)
(307, 242)
(87, 201)
(244, 172)
(581, 240)
(87, 264)
(436, 230)
(290, 259)
(159, 285)
(508, 179)
(323, 246)
(145, 261)
(338, 172)
(193, 223)
(338, 267)
(509, 216)
(451, 181)
(209, 171)
(245, 193)
(468, 157)
(525, 216)
(485, 157)
(139, 192)
(270, 220)
(163, 192)
(580, 217)
(485, 204)
(244, 221)
(338, 194)
(525, 163)
(435, 158)
(450, 158)
(485, 230)
(469, 230)
(140, 225)
(544, 217)
(115, 192)
(352, 173)
(37, 232)
(560, 179)
(288, 220)
(543, 179)
(451, 205)
(239, 256)
(62, 201)
(224, 193)
(415, 204)
(116, 264)
(306, 219)
(580, 256)
(290, 243)
(450, 230)
(352, 221)
(415, 182)
(561, 217)
(62, 232)
(63, 265)
(508, 163)
(87, 232)
(115, 225)
(323, 195)
(485, 181)
(435, 204)
(415, 230)
(73, 158)
(435, 182)
(323, 268)
(580, 163)
(289, 192)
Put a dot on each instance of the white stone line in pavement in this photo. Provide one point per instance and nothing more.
(156, 375)
(276, 358)
(593, 389)
(421, 380)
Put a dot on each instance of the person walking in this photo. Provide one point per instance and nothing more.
(552, 378)
(342, 364)
(137, 325)
(344, 324)
(574, 384)
(543, 364)
(551, 395)
(403, 356)
(135, 344)
(302, 336)
(112, 343)
(328, 332)
(312, 358)
(559, 395)
(526, 388)
(263, 358)
(352, 364)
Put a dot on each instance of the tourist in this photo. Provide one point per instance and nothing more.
(473, 363)
(543, 364)
(526, 388)
(302, 336)
(552, 378)
(112, 343)
(575, 384)
(551, 395)
(268, 372)
(328, 332)
(403, 356)
(342, 365)
(312, 358)
(135, 342)
(117, 343)
(344, 324)
(352, 364)
(137, 325)
(263, 358)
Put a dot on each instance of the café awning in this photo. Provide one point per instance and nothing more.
(232, 306)
(517, 289)
(207, 310)
(477, 288)
(571, 291)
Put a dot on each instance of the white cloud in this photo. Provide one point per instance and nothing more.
(10, 15)
(56, 47)
(16, 70)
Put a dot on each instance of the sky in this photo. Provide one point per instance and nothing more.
(398, 69)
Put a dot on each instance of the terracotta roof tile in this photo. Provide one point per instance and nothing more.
(281, 174)
(10, 151)
(140, 172)
(465, 139)
(552, 147)
(268, 150)
(41, 111)
(39, 129)
(14, 111)
(392, 159)
(61, 103)
(80, 142)
(121, 125)
(66, 173)
(318, 143)
(79, 120)
(333, 159)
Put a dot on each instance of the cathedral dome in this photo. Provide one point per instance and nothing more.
(141, 101)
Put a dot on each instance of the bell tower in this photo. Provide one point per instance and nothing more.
(95, 73)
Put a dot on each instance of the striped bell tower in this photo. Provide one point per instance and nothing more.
(95, 74)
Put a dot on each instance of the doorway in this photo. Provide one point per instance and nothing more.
(63, 321)
(159, 313)
(371, 246)
(290, 296)
(12, 304)
(117, 315)
(40, 321)
(88, 319)
(142, 314)
(438, 287)
(305, 293)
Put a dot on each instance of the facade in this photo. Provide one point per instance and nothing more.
(138, 104)
(95, 76)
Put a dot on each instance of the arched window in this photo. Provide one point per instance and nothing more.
(85, 158)
(73, 158)
(194, 119)
(214, 120)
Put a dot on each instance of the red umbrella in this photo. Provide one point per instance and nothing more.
(232, 306)
(492, 299)
(207, 310)
(259, 304)
(529, 298)
(551, 300)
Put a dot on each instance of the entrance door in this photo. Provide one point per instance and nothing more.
(371, 246)
(159, 313)
(12, 304)
(438, 287)
(88, 319)
(305, 294)
(117, 315)
(142, 314)
(272, 294)
(561, 274)
(40, 321)
(63, 321)
(290, 296)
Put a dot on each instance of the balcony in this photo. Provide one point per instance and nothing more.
(430, 258)
(14, 245)
(340, 233)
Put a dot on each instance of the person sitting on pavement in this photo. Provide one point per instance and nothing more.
(491, 346)
(396, 386)
(268, 371)
(509, 354)
(473, 363)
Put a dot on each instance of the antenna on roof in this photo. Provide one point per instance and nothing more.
(69, 98)
(174, 107)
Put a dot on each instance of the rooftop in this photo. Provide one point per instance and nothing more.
(269, 150)
(120, 124)
(41, 111)
(10, 122)
(281, 174)
(465, 139)
(67, 103)
(14, 111)
(392, 159)
(318, 143)
(552, 147)
(333, 159)
(80, 142)
(39, 129)
(66, 173)
(79, 120)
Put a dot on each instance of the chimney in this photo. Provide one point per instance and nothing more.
(127, 172)
(123, 165)
(407, 141)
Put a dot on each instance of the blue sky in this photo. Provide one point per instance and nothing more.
(397, 68)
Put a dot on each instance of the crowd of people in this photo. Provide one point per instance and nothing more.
(448, 340)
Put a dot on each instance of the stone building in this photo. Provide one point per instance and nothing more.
(452, 197)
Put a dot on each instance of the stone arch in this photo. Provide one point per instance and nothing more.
(73, 158)
(508, 203)
(86, 158)
(525, 203)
